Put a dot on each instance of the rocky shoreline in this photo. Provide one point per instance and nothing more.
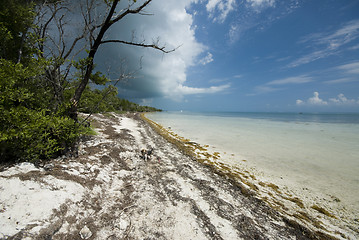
(115, 191)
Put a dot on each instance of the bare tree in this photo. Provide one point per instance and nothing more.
(56, 44)
(96, 19)
(110, 20)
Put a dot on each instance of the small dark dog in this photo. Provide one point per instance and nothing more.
(146, 154)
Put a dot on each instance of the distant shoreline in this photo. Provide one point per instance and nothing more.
(323, 117)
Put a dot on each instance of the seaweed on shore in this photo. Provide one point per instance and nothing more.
(239, 179)
(323, 211)
(200, 154)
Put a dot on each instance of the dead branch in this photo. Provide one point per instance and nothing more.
(129, 11)
(155, 46)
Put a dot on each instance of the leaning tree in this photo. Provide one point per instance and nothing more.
(96, 17)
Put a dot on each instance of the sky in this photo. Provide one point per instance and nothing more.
(240, 55)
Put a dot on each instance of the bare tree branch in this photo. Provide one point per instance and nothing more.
(155, 46)
(130, 11)
(78, 92)
(96, 19)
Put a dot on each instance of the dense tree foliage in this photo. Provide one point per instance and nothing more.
(16, 18)
(35, 94)
(106, 100)
(29, 129)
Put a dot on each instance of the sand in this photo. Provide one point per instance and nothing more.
(111, 192)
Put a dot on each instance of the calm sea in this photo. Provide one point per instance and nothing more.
(311, 155)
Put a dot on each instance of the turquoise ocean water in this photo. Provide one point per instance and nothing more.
(314, 156)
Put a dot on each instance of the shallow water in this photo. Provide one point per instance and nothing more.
(315, 152)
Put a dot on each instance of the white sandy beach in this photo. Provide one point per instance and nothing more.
(110, 192)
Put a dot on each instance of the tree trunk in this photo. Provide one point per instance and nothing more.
(77, 96)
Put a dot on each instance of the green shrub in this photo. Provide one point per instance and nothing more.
(33, 117)
(28, 135)
(29, 131)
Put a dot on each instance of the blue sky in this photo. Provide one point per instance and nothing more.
(248, 55)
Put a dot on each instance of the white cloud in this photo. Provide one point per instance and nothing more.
(356, 47)
(261, 3)
(251, 15)
(221, 8)
(352, 68)
(340, 80)
(342, 100)
(317, 101)
(262, 89)
(234, 33)
(316, 55)
(190, 90)
(347, 73)
(207, 59)
(328, 43)
(161, 75)
(292, 80)
(212, 4)
(299, 102)
(268, 87)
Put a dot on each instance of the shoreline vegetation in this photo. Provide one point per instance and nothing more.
(111, 191)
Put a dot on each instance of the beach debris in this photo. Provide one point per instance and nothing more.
(49, 166)
(146, 154)
(85, 233)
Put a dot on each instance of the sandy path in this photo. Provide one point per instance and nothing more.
(110, 192)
